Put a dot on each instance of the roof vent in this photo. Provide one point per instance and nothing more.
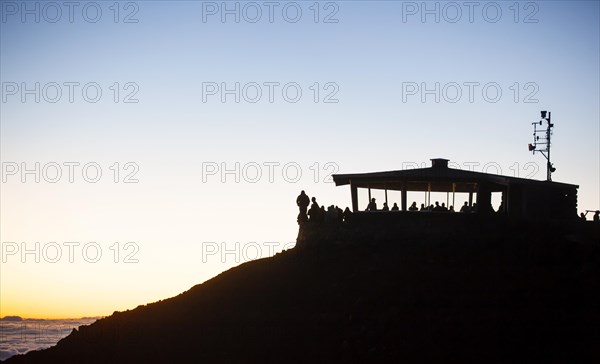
(439, 163)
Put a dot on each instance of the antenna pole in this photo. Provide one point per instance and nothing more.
(542, 137)
(548, 165)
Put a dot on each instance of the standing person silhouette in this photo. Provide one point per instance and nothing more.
(315, 211)
(372, 205)
(302, 201)
(465, 207)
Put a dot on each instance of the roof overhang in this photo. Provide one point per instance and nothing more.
(438, 178)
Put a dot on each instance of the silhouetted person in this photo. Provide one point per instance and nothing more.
(385, 207)
(444, 208)
(413, 207)
(372, 205)
(322, 213)
(340, 214)
(331, 215)
(582, 216)
(314, 201)
(474, 207)
(303, 201)
(465, 207)
(451, 209)
(423, 208)
(347, 214)
(597, 216)
(314, 211)
(395, 207)
(437, 207)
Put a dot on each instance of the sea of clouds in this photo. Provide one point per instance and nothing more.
(21, 336)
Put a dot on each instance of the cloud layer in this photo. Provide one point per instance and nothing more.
(19, 337)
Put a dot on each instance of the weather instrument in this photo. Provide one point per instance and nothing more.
(541, 141)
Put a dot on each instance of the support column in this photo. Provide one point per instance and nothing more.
(484, 199)
(354, 195)
(428, 194)
(506, 199)
(403, 197)
(453, 195)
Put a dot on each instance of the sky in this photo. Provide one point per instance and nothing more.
(148, 146)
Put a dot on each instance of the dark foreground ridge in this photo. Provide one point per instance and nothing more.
(517, 294)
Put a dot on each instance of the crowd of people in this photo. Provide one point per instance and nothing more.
(372, 206)
(596, 216)
(334, 213)
(317, 213)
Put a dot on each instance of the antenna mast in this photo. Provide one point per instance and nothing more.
(541, 137)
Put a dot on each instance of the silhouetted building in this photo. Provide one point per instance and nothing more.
(521, 198)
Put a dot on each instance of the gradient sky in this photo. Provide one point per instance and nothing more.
(366, 54)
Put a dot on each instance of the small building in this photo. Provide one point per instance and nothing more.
(521, 198)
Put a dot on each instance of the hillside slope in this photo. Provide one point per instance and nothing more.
(495, 298)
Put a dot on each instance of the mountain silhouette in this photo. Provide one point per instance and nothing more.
(11, 318)
(527, 294)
